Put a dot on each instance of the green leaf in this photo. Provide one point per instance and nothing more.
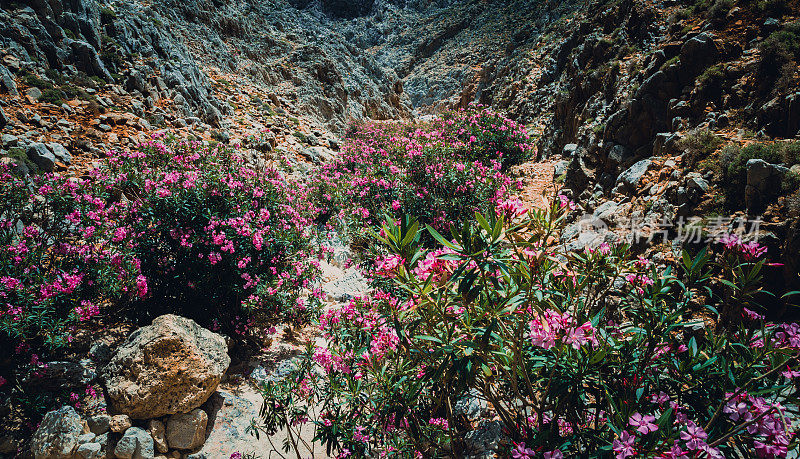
(441, 238)
(484, 224)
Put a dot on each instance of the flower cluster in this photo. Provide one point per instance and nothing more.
(218, 240)
(552, 327)
(749, 251)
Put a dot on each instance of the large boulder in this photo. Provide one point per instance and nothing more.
(633, 175)
(7, 82)
(762, 178)
(698, 53)
(169, 367)
(41, 156)
(57, 435)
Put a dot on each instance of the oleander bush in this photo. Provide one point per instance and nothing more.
(64, 252)
(442, 171)
(219, 242)
(169, 227)
(580, 354)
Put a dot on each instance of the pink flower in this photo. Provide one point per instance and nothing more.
(623, 446)
(566, 202)
(694, 436)
(510, 208)
(386, 266)
(659, 398)
(644, 424)
(521, 452)
(554, 454)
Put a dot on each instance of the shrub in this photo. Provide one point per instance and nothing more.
(699, 145)
(52, 96)
(441, 171)
(779, 49)
(218, 241)
(63, 253)
(731, 166)
(33, 80)
(170, 227)
(588, 354)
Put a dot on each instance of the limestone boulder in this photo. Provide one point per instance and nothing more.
(172, 366)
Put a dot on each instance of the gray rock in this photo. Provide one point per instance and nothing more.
(100, 352)
(7, 82)
(762, 180)
(135, 444)
(62, 375)
(486, 438)
(620, 155)
(560, 168)
(187, 431)
(40, 155)
(169, 367)
(9, 140)
(57, 435)
(33, 94)
(471, 405)
(86, 438)
(88, 60)
(61, 153)
(577, 174)
(99, 424)
(696, 187)
(606, 210)
(569, 150)
(633, 175)
(3, 118)
(698, 53)
(90, 451)
(318, 155)
(158, 432)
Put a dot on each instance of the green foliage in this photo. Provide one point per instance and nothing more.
(300, 136)
(711, 75)
(669, 62)
(773, 8)
(699, 145)
(441, 171)
(780, 52)
(107, 15)
(52, 96)
(31, 79)
(171, 227)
